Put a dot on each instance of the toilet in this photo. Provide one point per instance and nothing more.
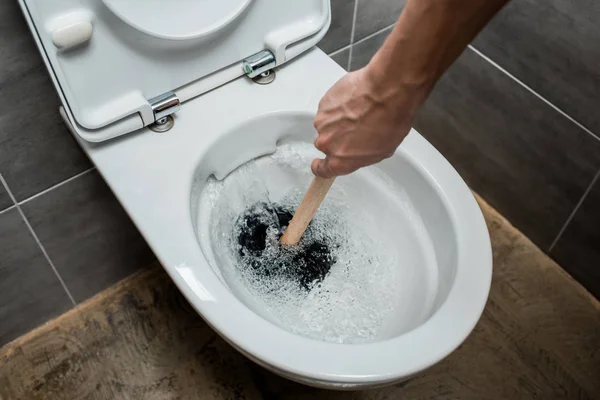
(166, 96)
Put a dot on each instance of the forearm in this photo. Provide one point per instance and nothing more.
(365, 116)
(429, 36)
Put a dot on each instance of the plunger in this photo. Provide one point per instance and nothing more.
(306, 210)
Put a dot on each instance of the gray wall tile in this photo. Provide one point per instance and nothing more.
(30, 292)
(373, 15)
(5, 200)
(342, 58)
(552, 46)
(363, 51)
(340, 30)
(36, 149)
(18, 51)
(527, 160)
(87, 234)
(578, 249)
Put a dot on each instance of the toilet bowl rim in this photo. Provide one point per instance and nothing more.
(170, 233)
(333, 359)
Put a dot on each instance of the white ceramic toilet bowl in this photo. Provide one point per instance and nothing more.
(157, 177)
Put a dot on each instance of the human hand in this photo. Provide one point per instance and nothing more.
(361, 121)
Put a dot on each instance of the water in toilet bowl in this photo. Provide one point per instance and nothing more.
(364, 264)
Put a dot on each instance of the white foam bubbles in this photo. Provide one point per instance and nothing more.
(365, 287)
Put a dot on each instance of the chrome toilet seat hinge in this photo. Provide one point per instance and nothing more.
(162, 107)
(258, 63)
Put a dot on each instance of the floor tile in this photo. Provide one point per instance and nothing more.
(338, 36)
(30, 292)
(527, 160)
(578, 249)
(552, 46)
(362, 52)
(373, 15)
(87, 234)
(342, 58)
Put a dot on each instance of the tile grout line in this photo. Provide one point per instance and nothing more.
(372, 35)
(564, 114)
(5, 185)
(352, 34)
(35, 237)
(572, 215)
(338, 51)
(62, 282)
(7, 209)
(350, 46)
(536, 94)
(59, 184)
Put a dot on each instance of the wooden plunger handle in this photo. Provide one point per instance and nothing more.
(306, 210)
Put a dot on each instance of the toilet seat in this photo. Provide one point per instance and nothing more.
(159, 206)
(96, 49)
(188, 20)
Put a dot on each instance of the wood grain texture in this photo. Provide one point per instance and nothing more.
(538, 339)
(318, 189)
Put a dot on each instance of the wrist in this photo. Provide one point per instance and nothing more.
(396, 87)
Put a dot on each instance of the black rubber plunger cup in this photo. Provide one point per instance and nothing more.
(306, 263)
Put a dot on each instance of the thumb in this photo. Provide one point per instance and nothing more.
(322, 168)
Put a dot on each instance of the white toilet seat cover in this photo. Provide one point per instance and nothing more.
(109, 58)
(186, 19)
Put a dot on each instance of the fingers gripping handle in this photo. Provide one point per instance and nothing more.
(306, 210)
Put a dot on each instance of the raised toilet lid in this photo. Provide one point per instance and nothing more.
(112, 59)
(186, 19)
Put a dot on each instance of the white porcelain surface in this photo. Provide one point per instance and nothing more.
(153, 177)
(419, 267)
(72, 35)
(142, 49)
(186, 20)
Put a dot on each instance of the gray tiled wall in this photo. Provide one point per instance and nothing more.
(529, 150)
(63, 235)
